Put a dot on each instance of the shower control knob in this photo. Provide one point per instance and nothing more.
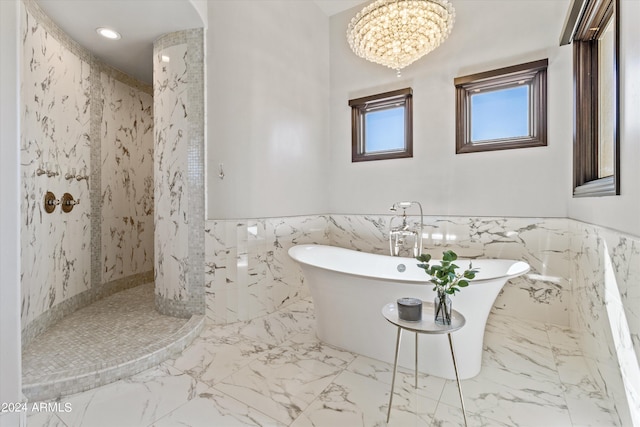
(50, 202)
(68, 203)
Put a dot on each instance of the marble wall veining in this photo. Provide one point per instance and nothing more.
(127, 179)
(582, 276)
(605, 271)
(179, 173)
(83, 118)
(542, 295)
(248, 272)
(55, 137)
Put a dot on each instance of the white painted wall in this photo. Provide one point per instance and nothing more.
(10, 362)
(622, 212)
(202, 7)
(267, 120)
(527, 182)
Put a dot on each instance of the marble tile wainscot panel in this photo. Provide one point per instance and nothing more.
(605, 270)
(248, 272)
(574, 266)
(179, 173)
(542, 295)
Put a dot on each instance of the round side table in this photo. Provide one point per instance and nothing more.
(425, 326)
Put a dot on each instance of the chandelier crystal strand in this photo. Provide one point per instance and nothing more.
(395, 33)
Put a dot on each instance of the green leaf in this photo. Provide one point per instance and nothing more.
(470, 274)
(449, 256)
(463, 283)
(424, 258)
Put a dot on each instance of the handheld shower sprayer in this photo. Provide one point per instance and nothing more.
(398, 235)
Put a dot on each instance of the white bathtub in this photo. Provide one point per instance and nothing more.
(349, 289)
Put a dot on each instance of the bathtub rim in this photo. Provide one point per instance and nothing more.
(292, 252)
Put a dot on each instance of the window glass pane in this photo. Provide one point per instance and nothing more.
(384, 130)
(606, 105)
(500, 114)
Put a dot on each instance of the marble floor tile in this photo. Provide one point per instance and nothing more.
(212, 408)
(526, 355)
(278, 327)
(273, 371)
(137, 401)
(451, 416)
(511, 398)
(428, 385)
(211, 359)
(284, 381)
(44, 419)
(589, 407)
(356, 400)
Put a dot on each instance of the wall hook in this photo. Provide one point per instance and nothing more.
(221, 171)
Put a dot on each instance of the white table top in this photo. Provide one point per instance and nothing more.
(427, 325)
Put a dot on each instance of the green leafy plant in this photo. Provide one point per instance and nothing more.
(444, 275)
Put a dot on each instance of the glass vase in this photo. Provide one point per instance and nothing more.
(442, 307)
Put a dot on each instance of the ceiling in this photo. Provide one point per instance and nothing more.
(140, 22)
(332, 7)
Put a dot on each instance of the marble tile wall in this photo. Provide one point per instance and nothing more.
(127, 179)
(583, 277)
(55, 258)
(170, 171)
(80, 118)
(605, 271)
(248, 272)
(542, 295)
(179, 173)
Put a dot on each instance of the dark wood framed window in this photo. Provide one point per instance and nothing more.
(502, 109)
(593, 27)
(382, 126)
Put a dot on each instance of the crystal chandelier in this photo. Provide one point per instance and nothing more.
(395, 33)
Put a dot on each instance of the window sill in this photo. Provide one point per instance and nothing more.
(596, 188)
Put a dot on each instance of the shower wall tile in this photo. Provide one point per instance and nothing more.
(127, 246)
(72, 107)
(172, 131)
(127, 149)
(54, 137)
(248, 272)
(126, 179)
(542, 295)
(179, 172)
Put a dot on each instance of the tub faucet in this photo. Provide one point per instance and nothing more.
(402, 234)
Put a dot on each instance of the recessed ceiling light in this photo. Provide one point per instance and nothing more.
(108, 33)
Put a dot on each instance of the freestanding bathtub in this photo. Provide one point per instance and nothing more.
(349, 289)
